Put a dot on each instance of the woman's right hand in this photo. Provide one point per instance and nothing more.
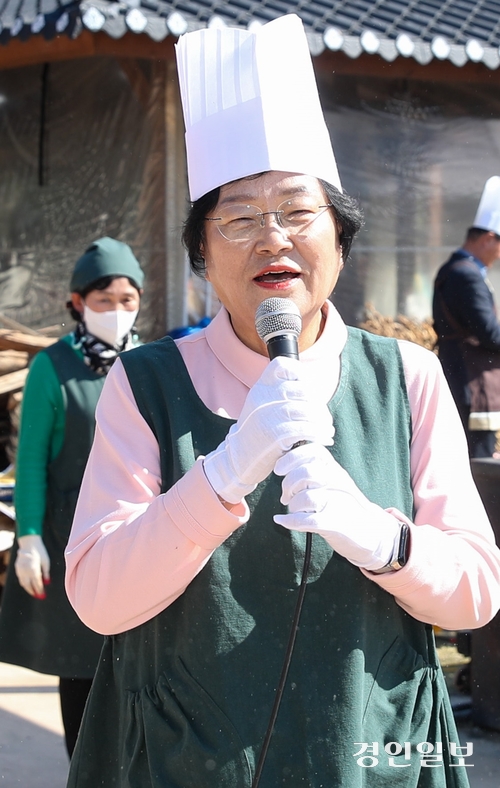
(280, 410)
(32, 565)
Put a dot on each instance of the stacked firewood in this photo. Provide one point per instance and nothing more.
(401, 327)
(13, 371)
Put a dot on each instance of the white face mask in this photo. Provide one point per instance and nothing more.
(112, 326)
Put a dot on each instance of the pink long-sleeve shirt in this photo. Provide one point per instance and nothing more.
(133, 551)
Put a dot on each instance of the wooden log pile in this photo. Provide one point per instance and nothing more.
(400, 327)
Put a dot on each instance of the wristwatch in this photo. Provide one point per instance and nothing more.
(400, 557)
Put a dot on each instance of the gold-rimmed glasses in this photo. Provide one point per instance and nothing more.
(241, 222)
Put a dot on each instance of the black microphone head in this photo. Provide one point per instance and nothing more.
(277, 316)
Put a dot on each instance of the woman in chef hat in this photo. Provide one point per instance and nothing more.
(267, 543)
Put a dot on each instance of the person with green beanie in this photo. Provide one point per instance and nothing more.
(38, 627)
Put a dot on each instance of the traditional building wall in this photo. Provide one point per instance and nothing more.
(91, 143)
(416, 153)
(88, 148)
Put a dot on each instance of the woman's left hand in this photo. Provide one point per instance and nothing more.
(322, 498)
(32, 565)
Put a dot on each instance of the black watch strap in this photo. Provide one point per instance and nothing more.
(400, 557)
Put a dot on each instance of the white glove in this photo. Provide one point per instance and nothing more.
(32, 565)
(322, 498)
(280, 410)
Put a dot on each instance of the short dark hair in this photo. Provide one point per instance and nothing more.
(345, 209)
(473, 233)
(99, 284)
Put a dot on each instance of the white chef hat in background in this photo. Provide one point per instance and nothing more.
(488, 212)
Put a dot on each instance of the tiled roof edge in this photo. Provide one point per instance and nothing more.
(118, 18)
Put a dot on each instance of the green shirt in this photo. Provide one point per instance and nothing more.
(41, 437)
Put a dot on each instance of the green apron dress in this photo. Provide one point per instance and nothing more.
(47, 635)
(183, 700)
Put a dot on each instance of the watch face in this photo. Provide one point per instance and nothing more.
(404, 546)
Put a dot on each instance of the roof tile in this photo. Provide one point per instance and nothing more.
(457, 21)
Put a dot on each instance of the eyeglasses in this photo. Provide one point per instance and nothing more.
(244, 222)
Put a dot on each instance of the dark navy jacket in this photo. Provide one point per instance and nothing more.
(460, 286)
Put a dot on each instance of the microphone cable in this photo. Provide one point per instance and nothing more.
(278, 323)
(286, 662)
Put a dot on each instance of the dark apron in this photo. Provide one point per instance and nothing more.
(47, 635)
(183, 700)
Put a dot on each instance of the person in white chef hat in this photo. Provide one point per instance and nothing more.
(466, 322)
(266, 543)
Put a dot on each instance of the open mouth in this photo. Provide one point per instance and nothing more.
(276, 276)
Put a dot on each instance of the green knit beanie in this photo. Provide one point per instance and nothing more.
(105, 257)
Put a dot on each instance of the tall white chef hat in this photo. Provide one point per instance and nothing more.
(488, 212)
(251, 104)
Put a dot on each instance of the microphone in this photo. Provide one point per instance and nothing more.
(278, 323)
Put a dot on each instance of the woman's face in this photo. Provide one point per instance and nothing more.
(120, 294)
(303, 266)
